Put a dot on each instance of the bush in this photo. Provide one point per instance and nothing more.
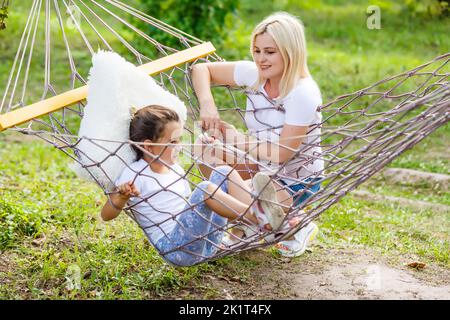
(3, 17)
(207, 20)
(430, 8)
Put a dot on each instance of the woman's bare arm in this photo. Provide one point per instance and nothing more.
(203, 76)
(290, 140)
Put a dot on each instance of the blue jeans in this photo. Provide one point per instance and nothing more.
(199, 230)
(310, 187)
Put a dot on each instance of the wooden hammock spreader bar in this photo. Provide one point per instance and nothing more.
(43, 107)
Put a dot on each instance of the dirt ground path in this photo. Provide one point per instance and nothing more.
(366, 281)
(335, 274)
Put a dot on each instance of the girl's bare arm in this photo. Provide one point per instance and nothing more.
(111, 211)
(112, 208)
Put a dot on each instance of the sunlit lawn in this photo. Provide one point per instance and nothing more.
(43, 201)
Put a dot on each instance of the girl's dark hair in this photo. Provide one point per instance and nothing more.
(149, 123)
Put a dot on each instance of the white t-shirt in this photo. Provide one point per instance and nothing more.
(162, 197)
(265, 118)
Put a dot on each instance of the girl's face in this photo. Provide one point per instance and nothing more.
(267, 57)
(171, 135)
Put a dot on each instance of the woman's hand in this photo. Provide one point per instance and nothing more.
(205, 139)
(210, 119)
(128, 190)
(230, 133)
(203, 75)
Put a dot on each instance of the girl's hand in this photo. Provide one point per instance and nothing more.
(128, 190)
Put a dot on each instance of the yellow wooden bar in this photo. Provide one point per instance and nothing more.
(68, 98)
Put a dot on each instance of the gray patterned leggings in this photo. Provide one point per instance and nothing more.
(196, 235)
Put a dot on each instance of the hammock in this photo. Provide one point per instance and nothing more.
(362, 131)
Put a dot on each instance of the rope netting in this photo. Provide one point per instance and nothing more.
(359, 133)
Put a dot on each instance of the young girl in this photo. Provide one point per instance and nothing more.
(185, 231)
(281, 115)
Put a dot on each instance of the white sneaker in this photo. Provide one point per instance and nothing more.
(296, 247)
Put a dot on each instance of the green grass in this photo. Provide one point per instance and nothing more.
(115, 258)
(43, 201)
(46, 199)
(389, 228)
(422, 190)
(431, 154)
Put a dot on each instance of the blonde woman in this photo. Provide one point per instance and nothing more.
(281, 108)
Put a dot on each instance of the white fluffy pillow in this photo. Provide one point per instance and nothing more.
(115, 86)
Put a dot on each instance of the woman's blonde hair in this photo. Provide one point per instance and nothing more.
(288, 33)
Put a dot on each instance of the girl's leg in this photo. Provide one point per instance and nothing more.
(213, 231)
(189, 242)
(236, 186)
(240, 189)
(199, 230)
(180, 247)
(228, 180)
(283, 196)
(226, 205)
(226, 197)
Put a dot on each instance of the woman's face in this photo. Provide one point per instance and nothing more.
(267, 57)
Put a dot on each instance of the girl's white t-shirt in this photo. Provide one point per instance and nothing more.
(162, 197)
(265, 118)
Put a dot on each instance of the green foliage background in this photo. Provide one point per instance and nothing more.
(41, 198)
(3, 17)
(207, 20)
